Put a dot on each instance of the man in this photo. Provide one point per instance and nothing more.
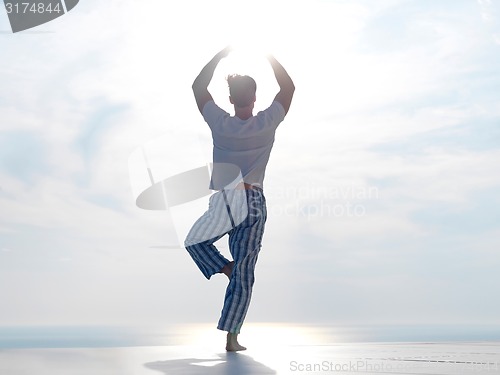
(239, 210)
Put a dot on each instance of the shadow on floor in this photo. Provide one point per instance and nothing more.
(226, 364)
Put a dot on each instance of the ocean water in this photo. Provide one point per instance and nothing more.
(26, 337)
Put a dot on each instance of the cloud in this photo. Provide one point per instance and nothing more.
(490, 14)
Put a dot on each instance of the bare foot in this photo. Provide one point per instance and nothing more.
(232, 343)
(228, 269)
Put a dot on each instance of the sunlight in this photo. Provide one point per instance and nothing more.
(259, 335)
(208, 363)
(245, 61)
(273, 343)
(281, 334)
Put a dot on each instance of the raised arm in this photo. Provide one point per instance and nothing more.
(200, 84)
(287, 88)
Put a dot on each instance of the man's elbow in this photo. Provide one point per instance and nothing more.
(288, 86)
(195, 86)
(198, 91)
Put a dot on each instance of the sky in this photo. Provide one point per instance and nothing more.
(381, 187)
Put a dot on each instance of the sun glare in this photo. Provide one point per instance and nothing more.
(257, 335)
(246, 61)
(243, 61)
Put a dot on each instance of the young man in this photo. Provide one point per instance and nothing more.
(244, 141)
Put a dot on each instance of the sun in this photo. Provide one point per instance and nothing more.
(245, 60)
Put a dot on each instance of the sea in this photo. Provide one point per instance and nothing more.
(95, 336)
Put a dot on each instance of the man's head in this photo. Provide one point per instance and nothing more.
(241, 90)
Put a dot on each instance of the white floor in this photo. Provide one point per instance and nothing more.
(200, 359)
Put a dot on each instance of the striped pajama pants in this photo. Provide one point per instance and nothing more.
(242, 215)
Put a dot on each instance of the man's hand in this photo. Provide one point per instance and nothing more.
(200, 84)
(225, 51)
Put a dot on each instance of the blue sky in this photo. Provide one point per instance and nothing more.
(382, 185)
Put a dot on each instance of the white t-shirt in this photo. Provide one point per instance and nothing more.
(244, 143)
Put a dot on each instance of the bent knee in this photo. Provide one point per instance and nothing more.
(189, 241)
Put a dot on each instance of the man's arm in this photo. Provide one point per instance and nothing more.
(287, 88)
(200, 84)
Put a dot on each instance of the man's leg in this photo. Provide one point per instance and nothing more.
(208, 259)
(209, 228)
(244, 243)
